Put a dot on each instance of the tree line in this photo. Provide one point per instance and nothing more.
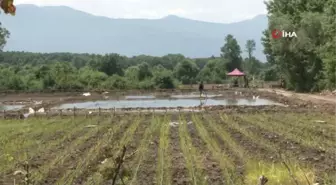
(304, 63)
(308, 62)
(66, 71)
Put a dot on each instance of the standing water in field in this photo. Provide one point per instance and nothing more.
(10, 107)
(139, 97)
(195, 96)
(156, 103)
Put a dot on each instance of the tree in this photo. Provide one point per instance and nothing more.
(250, 47)
(252, 66)
(144, 71)
(65, 76)
(132, 73)
(250, 63)
(91, 78)
(213, 72)
(164, 80)
(115, 82)
(327, 51)
(110, 64)
(4, 35)
(186, 71)
(171, 60)
(299, 60)
(231, 52)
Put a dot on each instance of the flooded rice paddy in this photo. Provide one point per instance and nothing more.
(11, 107)
(157, 103)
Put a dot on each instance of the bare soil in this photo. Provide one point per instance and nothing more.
(179, 169)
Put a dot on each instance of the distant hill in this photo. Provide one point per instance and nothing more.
(63, 29)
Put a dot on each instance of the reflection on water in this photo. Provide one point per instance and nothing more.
(11, 107)
(139, 97)
(194, 95)
(155, 103)
(232, 101)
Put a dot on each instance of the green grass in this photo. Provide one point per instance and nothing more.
(293, 133)
(277, 173)
(115, 149)
(163, 174)
(154, 126)
(191, 155)
(221, 156)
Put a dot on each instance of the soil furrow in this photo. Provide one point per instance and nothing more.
(132, 150)
(249, 145)
(106, 151)
(37, 158)
(71, 152)
(211, 166)
(147, 169)
(319, 158)
(178, 168)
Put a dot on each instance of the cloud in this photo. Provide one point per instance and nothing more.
(206, 10)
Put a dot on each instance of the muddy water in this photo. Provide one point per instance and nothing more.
(139, 97)
(196, 96)
(11, 107)
(156, 103)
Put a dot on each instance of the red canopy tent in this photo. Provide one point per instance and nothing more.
(236, 72)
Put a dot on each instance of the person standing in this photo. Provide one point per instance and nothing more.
(201, 88)
(246, 82)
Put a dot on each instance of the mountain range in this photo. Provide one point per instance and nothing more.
(62, 29)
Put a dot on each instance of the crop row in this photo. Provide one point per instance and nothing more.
(187, 148)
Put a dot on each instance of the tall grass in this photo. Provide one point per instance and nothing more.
(278, 174)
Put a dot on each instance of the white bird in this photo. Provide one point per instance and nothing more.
(31, 111)
(255, 97)
(90, 112)
(236, 93)
(41, 110)
(240, 93)
(87, 94)
(38, 102)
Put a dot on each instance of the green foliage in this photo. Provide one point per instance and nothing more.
(250, 47)
(115, 82)
(164, 80)
(270, 74)
(69, 71)
(144, 71)
(213, 72)
(4, 35)
(91, 78)
(231, 52)
(186, 71)
(308, 61)
(110, 64)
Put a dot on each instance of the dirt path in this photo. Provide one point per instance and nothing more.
(302, 96)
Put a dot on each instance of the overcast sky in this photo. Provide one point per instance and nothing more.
(224, 11)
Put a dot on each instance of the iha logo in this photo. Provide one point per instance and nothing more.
(276, 34)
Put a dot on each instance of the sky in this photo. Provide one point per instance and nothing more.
(221, 11)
